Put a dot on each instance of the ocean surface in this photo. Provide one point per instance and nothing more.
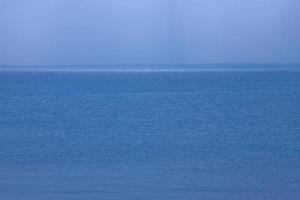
(229, 135)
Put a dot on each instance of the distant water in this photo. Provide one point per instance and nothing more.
(150, 136)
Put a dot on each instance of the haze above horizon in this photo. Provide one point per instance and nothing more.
(171, 32)
(156, 67)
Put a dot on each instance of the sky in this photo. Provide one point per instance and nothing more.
(99, 32)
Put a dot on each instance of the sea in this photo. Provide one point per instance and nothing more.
(150, 135)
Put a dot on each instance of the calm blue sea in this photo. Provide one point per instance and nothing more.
(150, 135)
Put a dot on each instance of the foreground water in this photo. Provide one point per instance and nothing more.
(155, 135)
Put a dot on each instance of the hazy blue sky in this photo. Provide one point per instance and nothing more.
(149, 31)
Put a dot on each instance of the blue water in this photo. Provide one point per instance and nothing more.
(151, 136)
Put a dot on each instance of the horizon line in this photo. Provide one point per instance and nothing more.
(209, 67)
(163, 64)
(146, 70)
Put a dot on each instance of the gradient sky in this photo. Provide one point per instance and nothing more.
(67, 32)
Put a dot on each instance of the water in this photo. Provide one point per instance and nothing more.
(154, 135)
